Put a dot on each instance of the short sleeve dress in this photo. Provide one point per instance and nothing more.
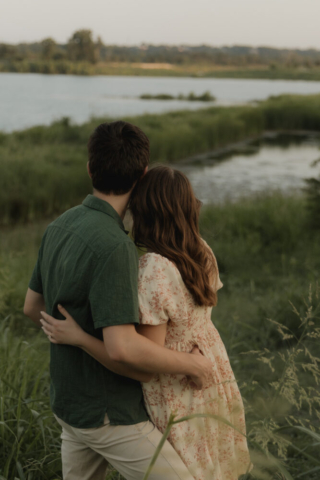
(211, 449)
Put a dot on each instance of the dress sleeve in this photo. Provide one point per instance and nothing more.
(162, 296)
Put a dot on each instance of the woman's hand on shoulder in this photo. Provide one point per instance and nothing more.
(66, 331)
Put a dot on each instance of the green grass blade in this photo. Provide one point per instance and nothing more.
(159, 447)
(208, 415)
(305, 430)
(20, 471)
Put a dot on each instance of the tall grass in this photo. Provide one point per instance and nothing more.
(29, 434)
(313, 194)
(42, 169)
(268, 256)
(283, 407)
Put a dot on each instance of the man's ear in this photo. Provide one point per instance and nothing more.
(88, 170)
(145, 171)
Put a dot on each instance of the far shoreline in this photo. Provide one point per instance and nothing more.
(255, 72)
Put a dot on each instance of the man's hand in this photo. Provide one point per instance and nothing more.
(204, 366)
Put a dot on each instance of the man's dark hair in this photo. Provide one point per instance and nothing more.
(118, 155)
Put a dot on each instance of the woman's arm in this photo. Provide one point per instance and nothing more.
(129, 353)
(68, 332)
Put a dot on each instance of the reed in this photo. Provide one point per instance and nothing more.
(29, 435)
(268, 256)
(43, 169)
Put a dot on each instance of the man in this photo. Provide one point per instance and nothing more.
(88, 264)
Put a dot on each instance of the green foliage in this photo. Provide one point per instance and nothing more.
(267, 225)
(29, 435)
(49, 47)
(198, 61)
(42, 169)
(313, 194)
(160, 96)
(285, 410)
(291, 113)
(204, 97)
(60, 63)
(81, 46)
(267, 256)
(192, 97)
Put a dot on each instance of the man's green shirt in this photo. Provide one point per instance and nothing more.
(89, 265)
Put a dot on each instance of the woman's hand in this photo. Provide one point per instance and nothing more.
(62, 331)
(195, 351)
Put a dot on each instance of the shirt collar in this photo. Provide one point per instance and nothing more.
(102, 206)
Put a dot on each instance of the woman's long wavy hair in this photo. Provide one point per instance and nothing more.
(165, 215)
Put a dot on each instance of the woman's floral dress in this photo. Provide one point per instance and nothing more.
(211, 449)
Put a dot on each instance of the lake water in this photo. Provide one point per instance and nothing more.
(269, 166)
(34, 99)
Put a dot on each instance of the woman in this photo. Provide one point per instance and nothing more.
(178, 284)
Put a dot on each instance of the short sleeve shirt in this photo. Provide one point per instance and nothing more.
(88, 264)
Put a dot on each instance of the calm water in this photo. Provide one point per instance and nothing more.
(33, 99)
(270, 167)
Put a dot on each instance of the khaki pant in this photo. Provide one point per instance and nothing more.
(128, 448)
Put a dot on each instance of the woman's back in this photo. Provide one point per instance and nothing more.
(163, 296)
(212, 450)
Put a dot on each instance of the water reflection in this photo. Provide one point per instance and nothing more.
(275, 163)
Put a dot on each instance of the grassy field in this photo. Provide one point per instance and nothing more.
(202, 70)
(42, 168)
(268, 250)
(268, 256)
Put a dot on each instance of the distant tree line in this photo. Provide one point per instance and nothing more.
(82, 47)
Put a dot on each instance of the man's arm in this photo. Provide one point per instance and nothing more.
(68, 332)
(126, 352)
(125, 346)
(33, 305)
(96, 348)
(156, 333)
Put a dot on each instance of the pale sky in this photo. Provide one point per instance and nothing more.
(278, 23)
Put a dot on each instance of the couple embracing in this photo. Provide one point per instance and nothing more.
(136, 342)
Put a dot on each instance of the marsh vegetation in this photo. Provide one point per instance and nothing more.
(192, 97)
(85, 55)
(268, 251)
(267, 315)
(36, 162)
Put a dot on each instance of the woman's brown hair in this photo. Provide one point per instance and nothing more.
(166, 221)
